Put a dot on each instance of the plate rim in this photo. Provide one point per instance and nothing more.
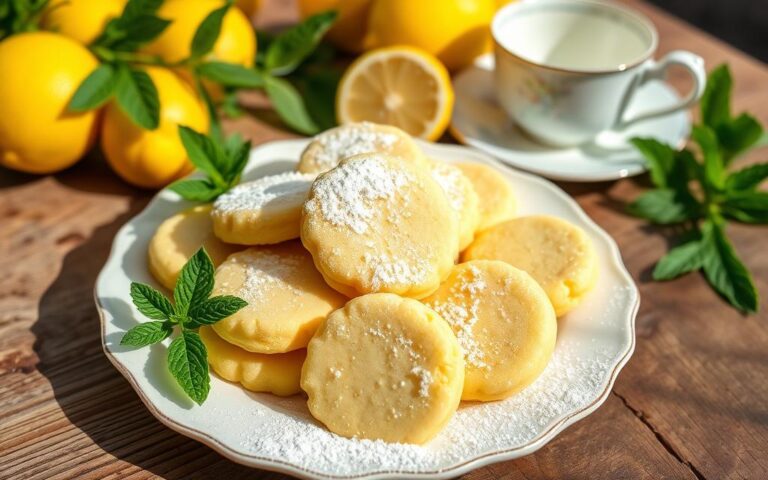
(485, 459)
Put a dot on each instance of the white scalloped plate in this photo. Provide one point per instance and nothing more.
(264, 431)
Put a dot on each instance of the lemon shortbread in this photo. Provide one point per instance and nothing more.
(277, 373)
(497, 200)
(178, 238)
(376, 224)
(384, 367)
(462, 197)
(557, 254)
(287, 298)
(504, 323)
(264, 211)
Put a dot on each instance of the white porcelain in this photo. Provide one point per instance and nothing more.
(566, 70)
(480, 122)
(268, 432)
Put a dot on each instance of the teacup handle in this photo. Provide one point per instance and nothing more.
(656, 71)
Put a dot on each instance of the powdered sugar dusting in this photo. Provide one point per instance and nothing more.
(346, 196)
(450, 180)
(267, 270)
(285, 189)
(386, 270)
(348, 140)
(424, 378)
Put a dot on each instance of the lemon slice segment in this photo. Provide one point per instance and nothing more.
(401, 86)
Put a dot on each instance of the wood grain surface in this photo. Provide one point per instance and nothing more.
(691, 403)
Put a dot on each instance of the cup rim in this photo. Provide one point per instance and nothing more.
(511, 8)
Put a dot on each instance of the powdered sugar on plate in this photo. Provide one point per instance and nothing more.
(345, 141)
(285, 190)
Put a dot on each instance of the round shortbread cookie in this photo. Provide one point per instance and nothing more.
(327, 149)
(277, 373)
(376, 224)
(263, 211)
(287, 298)
(497, 200)
(384, 367)
(462, 197)
(557, 254)
(504, 323)
(178, 238)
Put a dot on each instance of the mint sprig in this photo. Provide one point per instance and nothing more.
(222, 161)
(703, 193)
(191, 309)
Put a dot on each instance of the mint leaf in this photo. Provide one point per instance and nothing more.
(231, 75)
(682, 259)
(725, 272)
(661, 206)
(238, 159)
(289, 105)
(147, 334)
(151, 303)
(747, 206)
(195, 282)
(716, 100)
(203, 153)
(208, 32)
(196, 190)
(214, 309)
(138, 31)
(95, 90)
(739, 134)
(292, 46)
(714, 168)
(137, 97)
(188, 363)
(319, 91)
(660, 158)
(747, 178)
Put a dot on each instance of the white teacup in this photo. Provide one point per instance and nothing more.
(567, 69)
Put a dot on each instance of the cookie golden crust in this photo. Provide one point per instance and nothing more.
(462, 197)
(287, 298)
(262, 212)
(375, 224)
(557, 254)
(497, 201)
(328, 148)
(178, 238)
(504, 323)
(384, 367)
(277, 373)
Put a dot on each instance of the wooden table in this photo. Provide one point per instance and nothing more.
(691, 403)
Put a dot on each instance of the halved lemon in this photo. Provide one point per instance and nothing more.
(401, 86)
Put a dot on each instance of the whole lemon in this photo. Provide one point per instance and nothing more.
(455, 31)
(154, 158)
(41, 72)
(236, 42)
(82, 20)
(348, 32)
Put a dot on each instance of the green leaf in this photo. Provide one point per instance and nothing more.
(138, 31)
(215, 309)
(204, 154)
(661, 206)
(739, 134)
(208, 32)
(231, 75)
(747, 178)
(289, 105)
(319, 89)
(716, 101)
(292, 46)
(151, 303)
(136, 8)
(147, 333)
(660, 158)
(95, 90)
(747, 206)
(137, 97)
(714, 168)
(195, 282)
(238, 160)
(725, 272)
(188, 363)
(196, 190)
(682, 259)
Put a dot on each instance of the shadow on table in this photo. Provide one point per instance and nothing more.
(90, 391)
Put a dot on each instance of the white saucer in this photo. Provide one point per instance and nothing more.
(480, 122)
